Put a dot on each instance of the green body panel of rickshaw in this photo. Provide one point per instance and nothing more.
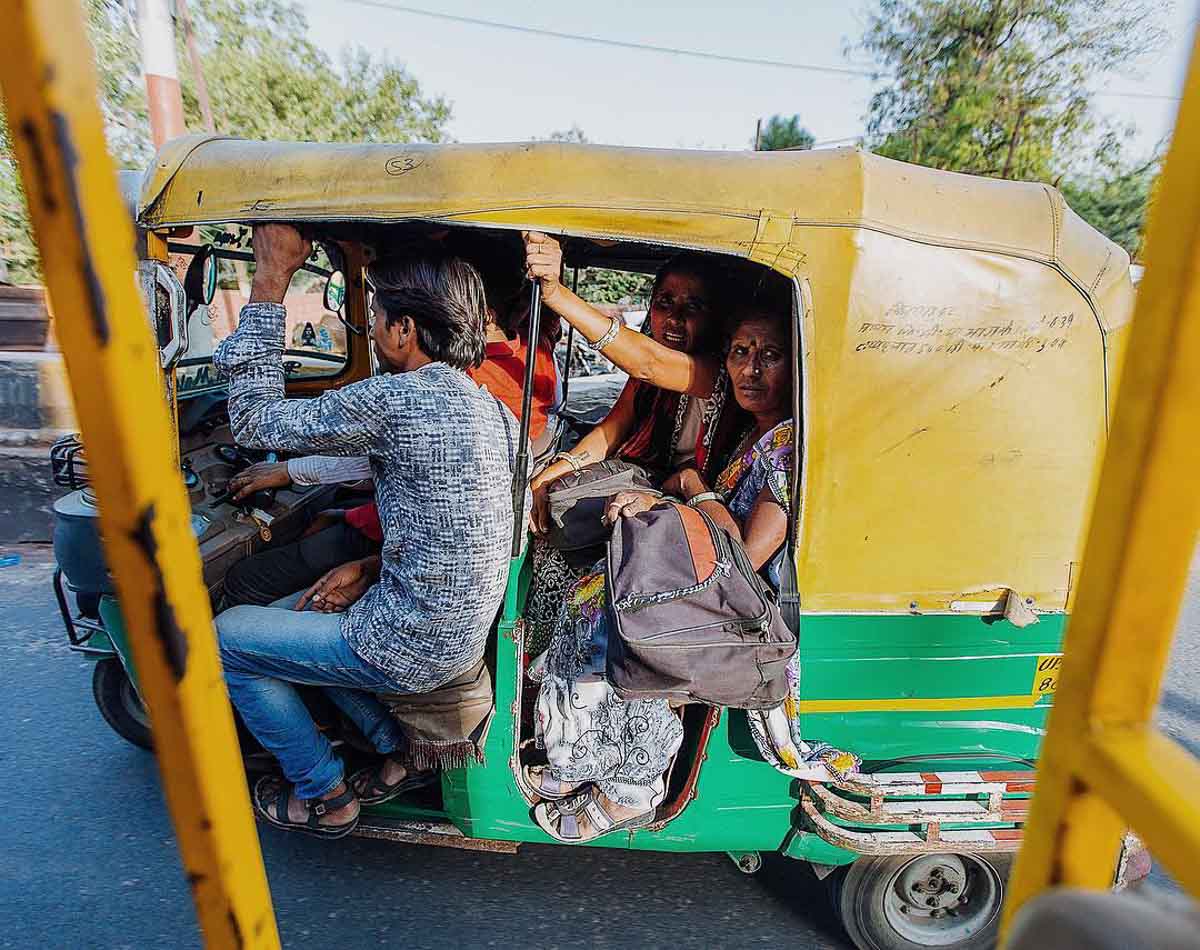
(910, 692)
(964, 692)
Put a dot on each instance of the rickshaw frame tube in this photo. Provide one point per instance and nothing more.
(50, 93)
(1103, 763)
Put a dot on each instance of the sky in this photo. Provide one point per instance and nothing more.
(508, 86)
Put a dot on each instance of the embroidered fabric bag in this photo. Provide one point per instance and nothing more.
(577, 502)
(689, 617)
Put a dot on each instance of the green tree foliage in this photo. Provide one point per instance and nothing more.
(1115, 199)
(784, 132)
(573, 134)
(265, 78)
(600, 285)
(999, 87)
(15, 246)
(122, 89)
(123, 100)
(1004, 88)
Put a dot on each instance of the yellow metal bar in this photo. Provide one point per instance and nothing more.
(1090, 841)
(83, 233)
(1156, 783)
(1139, 547)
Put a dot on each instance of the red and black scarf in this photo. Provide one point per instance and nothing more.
(660, 414)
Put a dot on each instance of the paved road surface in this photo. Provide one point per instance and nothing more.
(89, 859)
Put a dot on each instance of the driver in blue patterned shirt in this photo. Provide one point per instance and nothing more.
(416, 616)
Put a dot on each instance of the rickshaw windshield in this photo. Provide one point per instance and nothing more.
(315, 338)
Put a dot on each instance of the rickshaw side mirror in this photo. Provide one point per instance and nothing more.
(166, 305)
(200, 282)
(335, 291)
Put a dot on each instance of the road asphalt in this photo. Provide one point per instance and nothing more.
(90, 860)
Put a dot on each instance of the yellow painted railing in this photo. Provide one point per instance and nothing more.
(86, 242)
(1104, 766)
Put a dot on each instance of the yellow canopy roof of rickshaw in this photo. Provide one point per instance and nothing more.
(745, 203)
(962, 336)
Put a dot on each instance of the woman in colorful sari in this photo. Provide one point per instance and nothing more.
(664, 418)
(608, 758)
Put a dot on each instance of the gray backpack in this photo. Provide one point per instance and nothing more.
(577, 501)
(689, 617)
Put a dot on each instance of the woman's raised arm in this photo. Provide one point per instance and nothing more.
(640, 356)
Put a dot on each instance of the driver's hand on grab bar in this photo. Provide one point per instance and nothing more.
(279, 251)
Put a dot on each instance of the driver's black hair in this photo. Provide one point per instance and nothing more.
(443, 296)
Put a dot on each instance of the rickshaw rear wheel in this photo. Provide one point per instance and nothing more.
(905, 902)
(120, 704)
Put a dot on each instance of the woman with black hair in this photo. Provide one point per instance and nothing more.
(608, 757)
(658, 421)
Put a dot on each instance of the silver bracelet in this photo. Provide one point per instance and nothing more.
(609, 335)
(569, 459)
(703, 497)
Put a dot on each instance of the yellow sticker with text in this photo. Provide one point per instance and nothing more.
(1045, 675)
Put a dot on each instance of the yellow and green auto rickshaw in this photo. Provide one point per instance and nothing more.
(959, 344)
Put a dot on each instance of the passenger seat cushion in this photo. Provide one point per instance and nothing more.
(446, 727)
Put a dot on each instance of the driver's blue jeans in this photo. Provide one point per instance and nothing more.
(265, 650)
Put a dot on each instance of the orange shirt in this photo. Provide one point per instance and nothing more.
(366, 519)
(503, 373)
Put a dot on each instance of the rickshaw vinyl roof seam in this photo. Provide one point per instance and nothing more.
(442, 214)
(601, 235)
(1020, 253)
(933, 240)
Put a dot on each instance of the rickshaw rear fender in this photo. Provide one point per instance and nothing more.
(118, 638)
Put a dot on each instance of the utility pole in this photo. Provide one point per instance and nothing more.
(189, 36)
(758, 136)
(157, 28)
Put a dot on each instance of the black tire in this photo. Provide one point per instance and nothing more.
(876, 899)
(120, 704)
